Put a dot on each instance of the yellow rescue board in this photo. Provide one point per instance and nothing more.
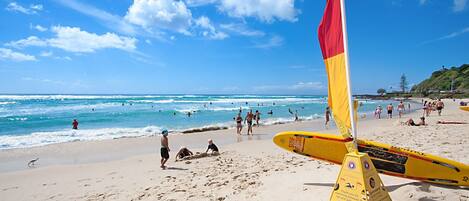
(465, 108)
(387, 159)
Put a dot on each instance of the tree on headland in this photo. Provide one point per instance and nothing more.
(403, 84)
(381, 91)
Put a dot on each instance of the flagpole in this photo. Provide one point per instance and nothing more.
(347, 70)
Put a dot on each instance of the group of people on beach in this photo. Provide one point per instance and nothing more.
(184, 152)
(250, 117)
(401, 108)
(429, 106)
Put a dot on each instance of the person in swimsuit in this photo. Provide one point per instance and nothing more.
(258, 117)
(212, 146)
(390, 108)
(401, 109)
(183, 152)
(379, 109)
(296, 115)
(164, 151)
(248, 119)
(328, 115)
(75, 124)
(239, 123)
(439, 106)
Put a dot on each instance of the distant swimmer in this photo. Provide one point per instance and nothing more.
(75, 124)
(247, 103)
(270, 112)
(289, 110)
(328, 115)
(189, 114)
(92, 109)
(210, 103)
(174, 113)
(122, 104)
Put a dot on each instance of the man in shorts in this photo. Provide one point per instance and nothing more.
(439, 106)
(164, 149)
(389, 108)
(401, 109)
(248, 119)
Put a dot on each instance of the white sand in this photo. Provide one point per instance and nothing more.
(253, 169)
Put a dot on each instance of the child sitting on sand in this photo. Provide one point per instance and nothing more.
(212, 147)
(183, 153)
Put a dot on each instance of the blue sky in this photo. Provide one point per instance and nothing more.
(219, 46)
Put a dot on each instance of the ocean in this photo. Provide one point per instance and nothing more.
(36, 120)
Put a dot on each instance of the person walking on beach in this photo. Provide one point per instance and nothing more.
(75, 124)
(239, 123)
(439, 106)
(379, 109)
(296, 115)
(164, 151)
(257, 117)
(401, 109)
(390, 108)
(328, 115)
(249, 117)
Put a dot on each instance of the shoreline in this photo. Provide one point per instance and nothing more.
(248, 168)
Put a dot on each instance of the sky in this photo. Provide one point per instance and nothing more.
(220, 46)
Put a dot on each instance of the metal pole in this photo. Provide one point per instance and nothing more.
(347, 65)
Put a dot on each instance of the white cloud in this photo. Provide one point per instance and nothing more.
(300, 86)
(46, 53)
(195, 3)
(112, 21)
(32, 9)
(242, 29)
(162, 14)
(30, 41)
(264, 10)
(40, 28)
(73, 39)
(210, 31)
(274, 41)
(449, 36)
(459, 5)
(307, 85)
(8, 54)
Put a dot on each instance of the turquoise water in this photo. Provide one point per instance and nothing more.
(35, 120)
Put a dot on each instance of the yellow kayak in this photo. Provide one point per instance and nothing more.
(387, 159)
(465, 108)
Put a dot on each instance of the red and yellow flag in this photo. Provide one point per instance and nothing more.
(331, 39)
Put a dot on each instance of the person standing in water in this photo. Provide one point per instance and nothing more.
(258, 117)
(328, 115)
(389, 108)
(75, 124)
(401, 109)
(164, 151)
(296, 115)
(239, 123)
(249, 118)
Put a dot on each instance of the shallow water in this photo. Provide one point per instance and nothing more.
(34, 120)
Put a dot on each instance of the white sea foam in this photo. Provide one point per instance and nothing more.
(152, 101)
(45, 138)
(7, 102)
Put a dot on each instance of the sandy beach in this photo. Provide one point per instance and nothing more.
(248, 168)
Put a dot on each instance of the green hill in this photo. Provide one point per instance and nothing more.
(441, 80)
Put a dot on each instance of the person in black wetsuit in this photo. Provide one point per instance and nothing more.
(212, 146)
